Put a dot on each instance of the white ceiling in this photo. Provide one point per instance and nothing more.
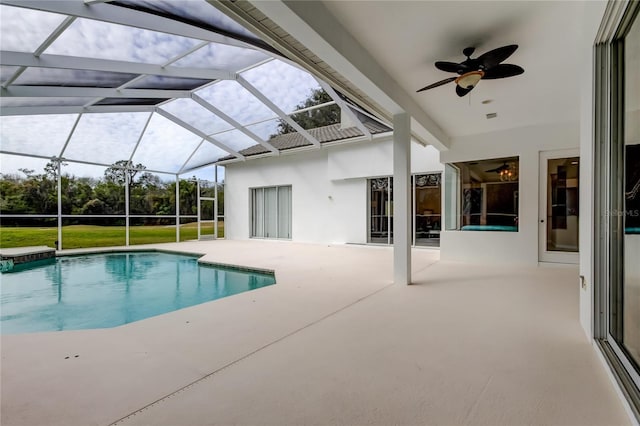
(407, 37)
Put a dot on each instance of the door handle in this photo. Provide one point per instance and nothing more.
(541, 220)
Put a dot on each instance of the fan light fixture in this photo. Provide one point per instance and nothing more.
(509, 173)
(470, 79)
(487, 66)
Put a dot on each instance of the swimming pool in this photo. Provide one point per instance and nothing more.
(111, 289)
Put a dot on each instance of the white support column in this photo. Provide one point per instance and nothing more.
(198, 201)
(177, 208)
(59, 245)
(215, 204)
(126, 205)
(401, 199)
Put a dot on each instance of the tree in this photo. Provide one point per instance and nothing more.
(51, 169)
(315, 118)
(27, 172)
(118, 171)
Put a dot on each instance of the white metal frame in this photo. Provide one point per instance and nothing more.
(104, 12)
(101, 10)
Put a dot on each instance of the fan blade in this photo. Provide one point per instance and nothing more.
(461, 91)
(438, 84)
(451, 67)
(502, 71)
(493, 57)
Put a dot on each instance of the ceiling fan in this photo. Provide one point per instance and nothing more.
(487, 66)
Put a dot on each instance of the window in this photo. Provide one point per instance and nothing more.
(380, 210)
(484, 194)
(271, 212)
(617, 196)
(426, 202)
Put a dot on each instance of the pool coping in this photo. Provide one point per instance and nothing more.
(98, 250)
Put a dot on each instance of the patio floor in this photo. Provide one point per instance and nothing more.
(333, 342)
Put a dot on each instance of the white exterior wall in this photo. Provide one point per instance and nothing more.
(329, 188)
(504, 248)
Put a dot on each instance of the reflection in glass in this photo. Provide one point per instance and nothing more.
(380, 210)
(36, 76)
(489, 194)
(26, 102)
(173, 83)
(199, 13)
(428, 209)
(562, 204)
(631, 277)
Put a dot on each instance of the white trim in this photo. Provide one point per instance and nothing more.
(87, 92)
(93, 109)
(144, 129)
(53, 36)
(262, 98)
(312, 25)
(129, 17)
(198, 132)
(616, 386)
(202, 102)
(190, 156)
(344, 108)
(543, 254)
(108, 65)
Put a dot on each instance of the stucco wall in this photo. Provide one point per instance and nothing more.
(329, 188)
(526, 142)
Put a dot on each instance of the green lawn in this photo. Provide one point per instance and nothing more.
(82, 236)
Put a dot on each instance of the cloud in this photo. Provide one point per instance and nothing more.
(9, 164)
(196, 115)
(285, 85)
(222, 57)
(24, 30)
(104, 40)
(165, 146)
(106, 138)
(194, 10)
(235, 101)
(207, 153)
(41, 135)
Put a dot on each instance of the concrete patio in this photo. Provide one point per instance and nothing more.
(333, 342)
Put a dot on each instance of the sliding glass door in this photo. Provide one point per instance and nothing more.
(271, 212)
(617, 194)
(380, 210)
(426, 202)
(624, 325)
(427, 207)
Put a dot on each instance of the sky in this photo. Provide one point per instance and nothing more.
(107, 138)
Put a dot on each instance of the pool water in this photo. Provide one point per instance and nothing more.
(107, 290)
